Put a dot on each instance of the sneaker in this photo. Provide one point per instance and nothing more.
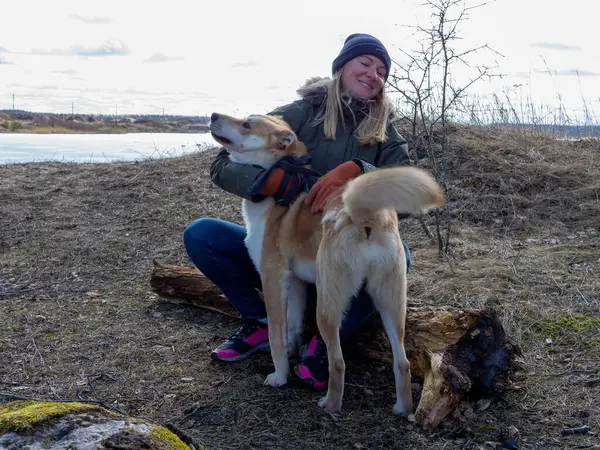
(314, 367)
(251, 337)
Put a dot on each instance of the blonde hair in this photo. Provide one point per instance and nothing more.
(372, 129)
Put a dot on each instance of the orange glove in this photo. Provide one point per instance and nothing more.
(273, 182)
(329, 183)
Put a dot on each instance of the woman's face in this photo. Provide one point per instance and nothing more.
(363, 76)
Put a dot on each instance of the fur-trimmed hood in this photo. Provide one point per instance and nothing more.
(314, 91)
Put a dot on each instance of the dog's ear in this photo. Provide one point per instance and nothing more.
(285, 139)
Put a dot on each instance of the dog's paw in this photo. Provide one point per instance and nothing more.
(329, 405)
(275, 380)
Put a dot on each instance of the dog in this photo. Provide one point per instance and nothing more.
(354, 240)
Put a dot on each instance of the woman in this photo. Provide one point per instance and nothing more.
(345, 122)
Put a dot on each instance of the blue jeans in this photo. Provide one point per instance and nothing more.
(217, 249)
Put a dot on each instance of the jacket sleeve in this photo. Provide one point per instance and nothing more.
(234, 177)
(237, 178)
(394, 152)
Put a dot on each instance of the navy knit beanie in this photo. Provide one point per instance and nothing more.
(362, 44)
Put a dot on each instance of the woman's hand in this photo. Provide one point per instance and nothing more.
(287, 178)
(329, 183)
(274, 183)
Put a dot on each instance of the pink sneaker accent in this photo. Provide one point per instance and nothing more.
(258, 338)
(227, 353)
(312, 347)
(304, 373)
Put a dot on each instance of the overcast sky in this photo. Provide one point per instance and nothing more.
(241, 57)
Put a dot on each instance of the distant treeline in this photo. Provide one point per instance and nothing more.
(568, 131)
(19, 114)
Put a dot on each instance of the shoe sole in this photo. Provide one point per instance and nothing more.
(264, 347)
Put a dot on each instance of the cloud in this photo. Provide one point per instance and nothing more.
(557, 46)
(91, 20)
(244, 64)
(159, 57)
(66, 71)
(130, 91)
(570, 72)
(45, 87)
(108, 48)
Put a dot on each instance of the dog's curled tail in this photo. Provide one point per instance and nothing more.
(407, 190)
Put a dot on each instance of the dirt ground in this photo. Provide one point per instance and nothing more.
(78, 320)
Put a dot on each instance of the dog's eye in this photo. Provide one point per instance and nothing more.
(246, 125)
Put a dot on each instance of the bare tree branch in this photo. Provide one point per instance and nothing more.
(430, 94)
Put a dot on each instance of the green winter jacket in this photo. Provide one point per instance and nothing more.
(326, 154)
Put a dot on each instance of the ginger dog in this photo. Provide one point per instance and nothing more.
(356, 239)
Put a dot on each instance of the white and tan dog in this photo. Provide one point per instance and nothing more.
(355, 240)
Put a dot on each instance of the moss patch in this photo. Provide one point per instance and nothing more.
(23, 415)
(166, 439)
(585, 325)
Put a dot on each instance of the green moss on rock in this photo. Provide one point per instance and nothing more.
(166, 439)
(22, 421)
(24, 415)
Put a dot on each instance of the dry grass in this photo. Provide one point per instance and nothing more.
(78, 320)
(524, 184)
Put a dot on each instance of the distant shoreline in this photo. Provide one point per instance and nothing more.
(16, 122)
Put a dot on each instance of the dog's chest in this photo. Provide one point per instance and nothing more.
(255, 217)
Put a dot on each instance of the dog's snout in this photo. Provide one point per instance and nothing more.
(214, 117)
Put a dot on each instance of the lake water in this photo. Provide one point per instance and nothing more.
(23, 148)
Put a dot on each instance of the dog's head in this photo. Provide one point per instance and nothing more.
(257, 139)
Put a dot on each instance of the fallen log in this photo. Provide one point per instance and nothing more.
(187, 285)
(458, 354)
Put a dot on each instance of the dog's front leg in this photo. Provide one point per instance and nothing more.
(275, 283)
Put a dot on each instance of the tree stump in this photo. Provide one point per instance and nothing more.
(457, 353)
